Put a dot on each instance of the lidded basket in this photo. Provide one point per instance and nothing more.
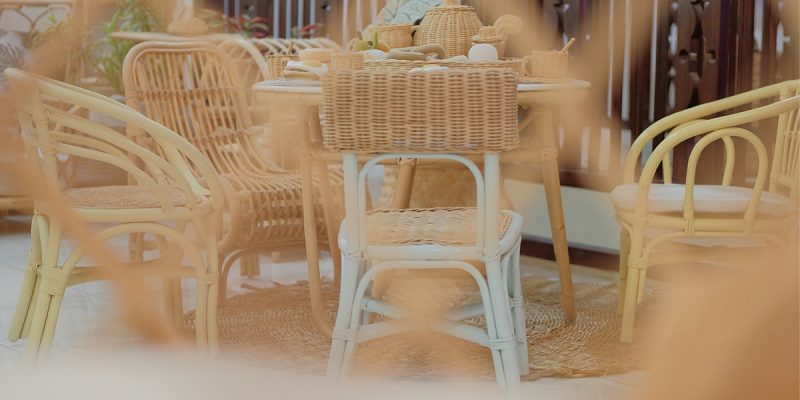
(489, 35)
(451, 25)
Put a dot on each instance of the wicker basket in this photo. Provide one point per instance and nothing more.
(451, 25)
(276, 63)
(489, 35)
(546, 66)
(393, 35)
(347, 61)
(466, 112)
(514, 64)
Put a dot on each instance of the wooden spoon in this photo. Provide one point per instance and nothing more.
(567, 46)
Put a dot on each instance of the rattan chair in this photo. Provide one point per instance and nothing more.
(248, 61)
(656, 214)
(192, 88)
(170, 189)
(463, 116)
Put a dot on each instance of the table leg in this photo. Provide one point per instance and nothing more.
(404, 184)
(402, 199)
(299, 116)
(555, 208)
(332, 214)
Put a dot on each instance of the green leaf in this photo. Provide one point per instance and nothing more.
(404, 11)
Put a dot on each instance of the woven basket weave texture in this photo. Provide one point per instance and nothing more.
(466, 112)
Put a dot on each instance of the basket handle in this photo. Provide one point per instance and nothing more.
(525, 61)
(447, 3)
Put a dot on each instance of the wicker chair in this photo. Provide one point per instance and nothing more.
(192, 88)
(164, 189)
(248, 61)
(653, 215)
(461, 116)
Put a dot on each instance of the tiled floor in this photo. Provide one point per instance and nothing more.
(87, 321)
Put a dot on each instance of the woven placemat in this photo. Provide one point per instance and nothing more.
(274, 328)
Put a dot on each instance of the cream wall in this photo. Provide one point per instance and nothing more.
(588, 214)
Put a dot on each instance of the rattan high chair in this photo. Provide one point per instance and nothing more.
(171, 188)
(656, 214)
(191, 87)
(461, 116)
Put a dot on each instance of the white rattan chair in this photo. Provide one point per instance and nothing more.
(462, 116)
(192, 88)
(171, 188)
(655, 214)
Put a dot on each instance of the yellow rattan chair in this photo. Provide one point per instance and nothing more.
(655, 214)
(171, 188)
(192, 88)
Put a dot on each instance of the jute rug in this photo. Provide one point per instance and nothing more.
(274, 328)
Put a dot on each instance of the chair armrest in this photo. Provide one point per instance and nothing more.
(724, 128)
(695, 113)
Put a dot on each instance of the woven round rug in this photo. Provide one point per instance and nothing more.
(274, 328)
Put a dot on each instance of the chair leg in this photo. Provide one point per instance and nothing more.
(169, 307)
(506, 340)
(177, 300)
(357, 318)
(518, 306)
(624, 250)
(629, 305)
(201, 317)
(26, 326)
(249, 266)
(213, 323)
(330, 215)
(341, 331)
(53, 284)
(50, 325)
(641, 285)
(173, 300)
(136, 247)
(212, 268)
(26, 299)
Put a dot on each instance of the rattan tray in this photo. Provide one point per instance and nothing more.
(514, 64)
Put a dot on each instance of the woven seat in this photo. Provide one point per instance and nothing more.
(711, 199)
(116, 197)
(443, 226)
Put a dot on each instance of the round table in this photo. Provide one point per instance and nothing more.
(296, 140)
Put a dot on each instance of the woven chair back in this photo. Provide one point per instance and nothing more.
(193, 89)
(251, 67)
(51, 128)
(463, 112)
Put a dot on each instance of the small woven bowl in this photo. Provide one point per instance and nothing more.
(547, 65)
(276, 63)
(347, 61)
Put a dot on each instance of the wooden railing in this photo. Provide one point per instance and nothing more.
(342, 18)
